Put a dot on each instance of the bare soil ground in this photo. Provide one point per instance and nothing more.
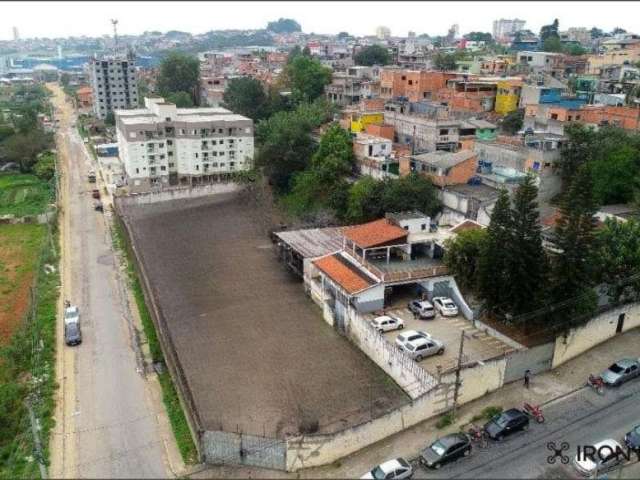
(256, 353)
(19, 249)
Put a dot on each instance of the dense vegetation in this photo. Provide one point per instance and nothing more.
(179, 79)
(372, 55)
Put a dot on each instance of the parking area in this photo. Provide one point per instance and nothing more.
(477, 345)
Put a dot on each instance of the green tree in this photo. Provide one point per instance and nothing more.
(512, 122)
(179, 72)
(372, 55)
(181, 99)
(411, 192)
(445, 61)
(45, 167)
(614, 175)
(617, 258)
(247, 97)
(24, 148)
(462, 256)
(494, 261)
(5, 132)
(549, 31)
(574, 50)
(284, 25)
(285, 147)
(552, 44)
(479, 37)
(314, 188)
(364, 202)
(306, 77)
(526, 258)
(575, 152)
(572, 270)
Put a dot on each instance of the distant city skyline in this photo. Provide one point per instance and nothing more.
(64, 19)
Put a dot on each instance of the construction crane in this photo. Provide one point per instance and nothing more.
(114, 22)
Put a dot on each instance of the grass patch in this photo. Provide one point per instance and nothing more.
(24, 194)
(487, 413)
(27, 367)
(170, 398)
(445, 420)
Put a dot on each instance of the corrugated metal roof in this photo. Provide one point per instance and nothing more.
(313, 242)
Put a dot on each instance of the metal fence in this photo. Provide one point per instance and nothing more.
(387, 355)
(242, 449)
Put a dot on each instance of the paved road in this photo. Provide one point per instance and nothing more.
(110, 428)
(584, 418)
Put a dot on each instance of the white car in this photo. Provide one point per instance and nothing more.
(607, 455)
(423, 347)
(422, 308)
(445, 306)
(410, 335)
(386, 323)
(397, 469)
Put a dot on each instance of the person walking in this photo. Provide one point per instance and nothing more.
(527, 378)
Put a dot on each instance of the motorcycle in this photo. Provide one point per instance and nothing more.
(596, 383)
(534, 411)
(478, 435)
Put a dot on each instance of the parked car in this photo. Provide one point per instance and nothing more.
(386, 323)
(98, 207)
(410, 335)
(91, 176)
(95, 194)
(71, 314)
(423, 308)
(446, 449)
(606, 457)
(632, 439)
(506, 423)
(445, 306)
(621, 371)
(396, 469)
(423, 347)
(72, 333)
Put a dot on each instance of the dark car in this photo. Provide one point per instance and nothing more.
(445, 450)
(95, 194)
(506, 423)
(632, 439)
(72, 334)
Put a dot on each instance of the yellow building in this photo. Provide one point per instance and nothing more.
(508, 96)
(360, 120)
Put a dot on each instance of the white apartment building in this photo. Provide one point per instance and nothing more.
(503, 27)
(163, 145)
(114, 85)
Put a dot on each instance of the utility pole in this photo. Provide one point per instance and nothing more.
(456, 388)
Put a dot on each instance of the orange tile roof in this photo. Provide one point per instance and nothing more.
(343, 273)
(466, 225)
(374, 233)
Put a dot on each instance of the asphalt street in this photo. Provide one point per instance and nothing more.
(583, 418)
(109, 425)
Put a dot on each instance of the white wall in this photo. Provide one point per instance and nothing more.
(594, 332)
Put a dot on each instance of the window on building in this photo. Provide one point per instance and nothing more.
(171, 164)
(423, 226)
(137, 170)
(163, 168)
(219, 130)
(444, 131)
(169, 142)
(554, 116)
(196, 155)
(170, 154)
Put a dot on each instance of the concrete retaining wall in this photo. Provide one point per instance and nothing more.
(594, 332)
(177, 193)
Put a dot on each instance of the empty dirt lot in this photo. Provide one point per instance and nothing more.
(256, 353)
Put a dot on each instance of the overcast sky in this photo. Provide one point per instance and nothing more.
(61, 19)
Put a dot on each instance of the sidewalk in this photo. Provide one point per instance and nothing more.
(545, 388)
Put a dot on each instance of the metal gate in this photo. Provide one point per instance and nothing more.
(537, 359)
(242, 449)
